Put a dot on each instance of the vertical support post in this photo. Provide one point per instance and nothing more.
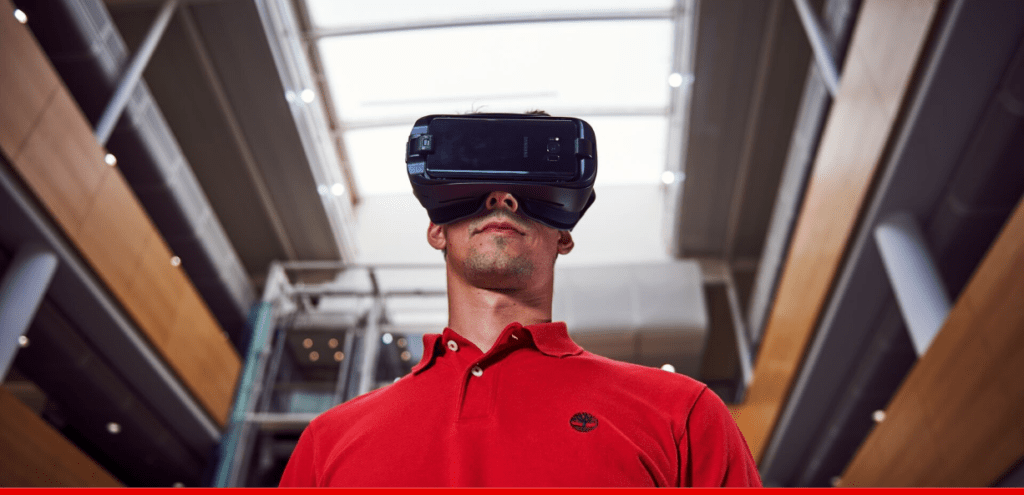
(739, 325)
(823, 57)
(915, 279)
(132, 75)
(371, 339)
(229, 452)
(232, 450)
(344, 369)
(21, 291)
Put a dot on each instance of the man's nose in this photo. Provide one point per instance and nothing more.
(501, 199)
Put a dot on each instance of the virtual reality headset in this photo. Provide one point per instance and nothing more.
(548, 164)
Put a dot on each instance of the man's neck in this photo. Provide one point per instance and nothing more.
(480, 314)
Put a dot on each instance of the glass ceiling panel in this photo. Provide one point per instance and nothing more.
(631, 150)
(599, 67)
(332, 13)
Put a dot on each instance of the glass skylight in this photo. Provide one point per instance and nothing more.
(614, 74)
(334, 13)
(580, 67)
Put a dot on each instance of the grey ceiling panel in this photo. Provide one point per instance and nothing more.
(729, 37)
(751, 60)
(238, 48)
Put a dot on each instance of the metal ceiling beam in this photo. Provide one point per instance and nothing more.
(819, 45)
(133, 74)
(684, 42)
(292, 60)
(630, 15)
(237, 135)
(915, 277)
(764, 63)
(327, 99)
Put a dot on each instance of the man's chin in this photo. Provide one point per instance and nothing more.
(498, 271)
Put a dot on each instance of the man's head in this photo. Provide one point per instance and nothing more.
(500, 248)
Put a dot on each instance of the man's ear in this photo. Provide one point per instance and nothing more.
(436, 237)
(565, 242)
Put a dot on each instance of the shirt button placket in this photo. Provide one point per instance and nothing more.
(478, 393)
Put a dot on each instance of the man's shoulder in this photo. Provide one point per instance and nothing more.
(355, 408)
(642, 379)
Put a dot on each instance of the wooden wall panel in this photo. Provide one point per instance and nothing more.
(49, 156)
(958, 417)
(200, 360)
(34, 454)
(23, 75)
(884, 50)
(113, 234)
(169, 286)
(52, 147)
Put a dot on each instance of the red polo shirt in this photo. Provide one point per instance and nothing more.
(535, 410)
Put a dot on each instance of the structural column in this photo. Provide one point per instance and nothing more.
(21, 291)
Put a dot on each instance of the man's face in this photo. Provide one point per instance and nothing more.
(500, 248)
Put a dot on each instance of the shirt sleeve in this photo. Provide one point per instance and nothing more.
(301, 468)
(714, 453)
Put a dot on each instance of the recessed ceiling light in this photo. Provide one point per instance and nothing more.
(23, 341)
(406, 356)
(337, 189)
(333, 343)
(338, 356)
(387, 338)
(676, 79)
(20, 16)
(113, 427)
(314, 356)
(668, 177)
(307, 343)
(878, 415)
(308, 95)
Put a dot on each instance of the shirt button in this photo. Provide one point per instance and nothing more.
(477, 371)
(452, 345)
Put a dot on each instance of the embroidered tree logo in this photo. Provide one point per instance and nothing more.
(583, 422)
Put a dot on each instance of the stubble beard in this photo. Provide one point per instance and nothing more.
(498, 270)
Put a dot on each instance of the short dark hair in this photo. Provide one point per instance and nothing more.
(528, 112)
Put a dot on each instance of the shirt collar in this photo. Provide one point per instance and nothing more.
(550, 338)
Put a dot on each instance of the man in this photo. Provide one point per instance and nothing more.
(503, 396)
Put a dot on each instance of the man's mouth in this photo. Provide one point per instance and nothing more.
(499, 226)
